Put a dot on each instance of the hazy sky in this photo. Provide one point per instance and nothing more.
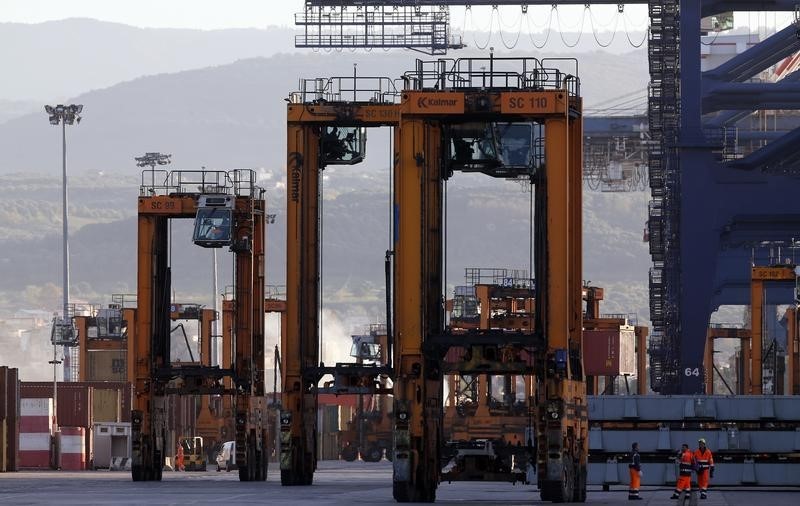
(211, 14)
(216, 14)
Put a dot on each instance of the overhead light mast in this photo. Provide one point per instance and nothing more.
(63, 331)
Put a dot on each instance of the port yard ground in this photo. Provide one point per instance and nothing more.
(334, 483)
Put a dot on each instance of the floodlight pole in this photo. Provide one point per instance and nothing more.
(64, 220)
(64, 115)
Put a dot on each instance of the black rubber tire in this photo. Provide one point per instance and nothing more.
(402, 491)
(158, 466)
(580, 487)
(243, 474)
(308, 470)
(372, 454)
(289, 479)
(137, 473)
(606, 487)
(349, 454)
(563, 490)
(258, 468)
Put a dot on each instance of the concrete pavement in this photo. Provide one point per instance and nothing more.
(335, 483)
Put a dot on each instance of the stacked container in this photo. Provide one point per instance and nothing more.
(9, 419)
(35, 428)
(72, 448)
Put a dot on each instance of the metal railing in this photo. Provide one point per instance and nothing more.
(377, 90)
(239, 182)
(495, 72)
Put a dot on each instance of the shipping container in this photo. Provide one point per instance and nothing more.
(609, 352)
(106, 405)
(3, 382)
(72, 448)
(34, 450)
(3, 445)
(74, 401)
(12, 419)
(45, 389)
(107, 365)
(3, 465)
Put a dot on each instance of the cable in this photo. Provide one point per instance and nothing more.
(500, 28)
(628, 35)
(580, 30)
(321, 260)
(549, 30)
(716, 34)
(474, 32)
(594, 32)
(614, 100)
(443, 288)
(644, 22)
(500, 22)
(390, 246)
(614, 20)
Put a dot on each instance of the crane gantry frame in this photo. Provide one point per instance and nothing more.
(438, 98)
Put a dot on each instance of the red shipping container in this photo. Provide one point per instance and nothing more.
(609, 352)
(3, 383)
(41, 389)
(12, 419)
(74, 401)
(73, 448)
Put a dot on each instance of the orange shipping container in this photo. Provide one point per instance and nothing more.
(107, 365)
(106, 405)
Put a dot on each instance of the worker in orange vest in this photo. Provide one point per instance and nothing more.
(635, 470)
(687, 465)
(705, 467)
(179, 459)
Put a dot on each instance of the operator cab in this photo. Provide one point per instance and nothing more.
(365, 347)
(504, 150)
(213, 222)
(343, 145)
(108, 324)
(63, 331)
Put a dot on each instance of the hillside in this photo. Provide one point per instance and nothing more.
(227, 116)
(91, 54)
(233, 115)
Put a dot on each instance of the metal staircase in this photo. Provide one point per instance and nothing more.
(663, 210)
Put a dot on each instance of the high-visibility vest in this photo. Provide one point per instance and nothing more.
(687, 463)
(636, 461)
(705, 460)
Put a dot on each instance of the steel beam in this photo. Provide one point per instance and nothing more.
(757, 58)
(779, 153)
(752, 96)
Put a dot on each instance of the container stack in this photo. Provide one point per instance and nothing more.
(9, 419)
(72, 448)
(36, 427)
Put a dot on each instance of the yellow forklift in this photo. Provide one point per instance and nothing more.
(194, 458)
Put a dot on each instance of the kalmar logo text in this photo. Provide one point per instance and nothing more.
(425, 102)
